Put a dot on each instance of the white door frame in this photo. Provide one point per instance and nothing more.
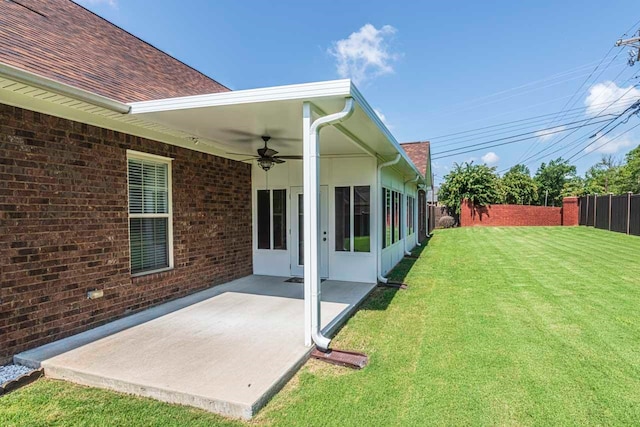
(297, 268)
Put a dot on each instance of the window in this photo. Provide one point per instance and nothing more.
(343, 219)
(386, 208)
(397, 202)
(272, 219)
(352, 220)
(392, 224)
(410, 215)
(362, 219)
(150, 216)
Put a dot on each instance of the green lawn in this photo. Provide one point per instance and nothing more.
(518, 326)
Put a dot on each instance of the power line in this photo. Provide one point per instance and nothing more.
(608, 142)
(534, 119)
(553, 142)
(637, 108)
(570, 71)
(600, 114)
(483, 145)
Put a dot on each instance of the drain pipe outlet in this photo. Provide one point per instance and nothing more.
(382, 279)
(406, 205)
(311, 179)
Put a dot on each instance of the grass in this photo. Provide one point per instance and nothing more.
(500, 326)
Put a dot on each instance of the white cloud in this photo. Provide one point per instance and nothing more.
(608, 145)
(383, 118)
(545, 135)
(111, 3)
(364, 54)
(601, 95)
(490, 158)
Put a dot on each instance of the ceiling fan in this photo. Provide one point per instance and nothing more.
(267, 157)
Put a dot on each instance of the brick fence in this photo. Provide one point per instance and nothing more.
(519, 215)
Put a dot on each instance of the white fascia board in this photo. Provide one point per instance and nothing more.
(357, 96)
(306, 91)
(45, 83)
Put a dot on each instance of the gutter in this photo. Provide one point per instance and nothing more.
(45, 83)
(406, 203)
(311, 220)
(382, 279)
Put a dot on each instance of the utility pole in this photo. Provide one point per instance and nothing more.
(634, 43)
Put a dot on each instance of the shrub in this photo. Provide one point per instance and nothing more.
(446, 222)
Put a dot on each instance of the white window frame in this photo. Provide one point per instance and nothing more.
(137, 155)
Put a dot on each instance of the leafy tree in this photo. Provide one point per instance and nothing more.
(604, 177)
(551, 179)
(518, 188)
(476, 183)
(629, 174)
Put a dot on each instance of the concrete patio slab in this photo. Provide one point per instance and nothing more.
(228, 349)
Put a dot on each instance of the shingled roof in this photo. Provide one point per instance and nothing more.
(63, 41)
(418, 152)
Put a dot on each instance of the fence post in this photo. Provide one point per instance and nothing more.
(586, 210)
(595, 210)
(610, 194)
(629, 212)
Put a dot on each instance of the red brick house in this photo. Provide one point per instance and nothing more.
(119, 182)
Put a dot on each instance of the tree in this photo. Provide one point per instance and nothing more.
(629, 174)
(604, 177)
(551, 179)
(518, 188)
(476, 183)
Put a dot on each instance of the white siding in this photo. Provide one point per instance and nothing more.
(334, 172)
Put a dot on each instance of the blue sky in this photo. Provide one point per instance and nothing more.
(430, 68)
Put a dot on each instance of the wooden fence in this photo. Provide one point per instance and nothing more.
(613, 213)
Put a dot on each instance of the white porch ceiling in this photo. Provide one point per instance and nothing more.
(234, 121)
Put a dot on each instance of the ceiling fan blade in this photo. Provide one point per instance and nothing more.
(246, 160)
(240, 132)
(291, 157)
(277, 160)
(266, 152)
(285, 139)
(242, 154)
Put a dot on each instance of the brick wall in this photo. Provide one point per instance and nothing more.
(508, 215)
(570, 211)
(64, 227)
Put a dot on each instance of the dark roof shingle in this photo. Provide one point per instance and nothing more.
(63, 41)
(418, 152)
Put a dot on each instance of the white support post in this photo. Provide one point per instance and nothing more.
(307, 160)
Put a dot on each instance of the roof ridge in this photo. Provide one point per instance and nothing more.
(149, 44)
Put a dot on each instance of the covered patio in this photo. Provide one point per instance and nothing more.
(227, 349)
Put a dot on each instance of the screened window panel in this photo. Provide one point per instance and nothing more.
(362, 219)
(388, 217)
(279, 219)
(149, 249)
(264, 219)
(343, 218)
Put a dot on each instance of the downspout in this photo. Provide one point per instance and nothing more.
(406, 208)
(311, 216)
(426, 211)
(382, 279)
